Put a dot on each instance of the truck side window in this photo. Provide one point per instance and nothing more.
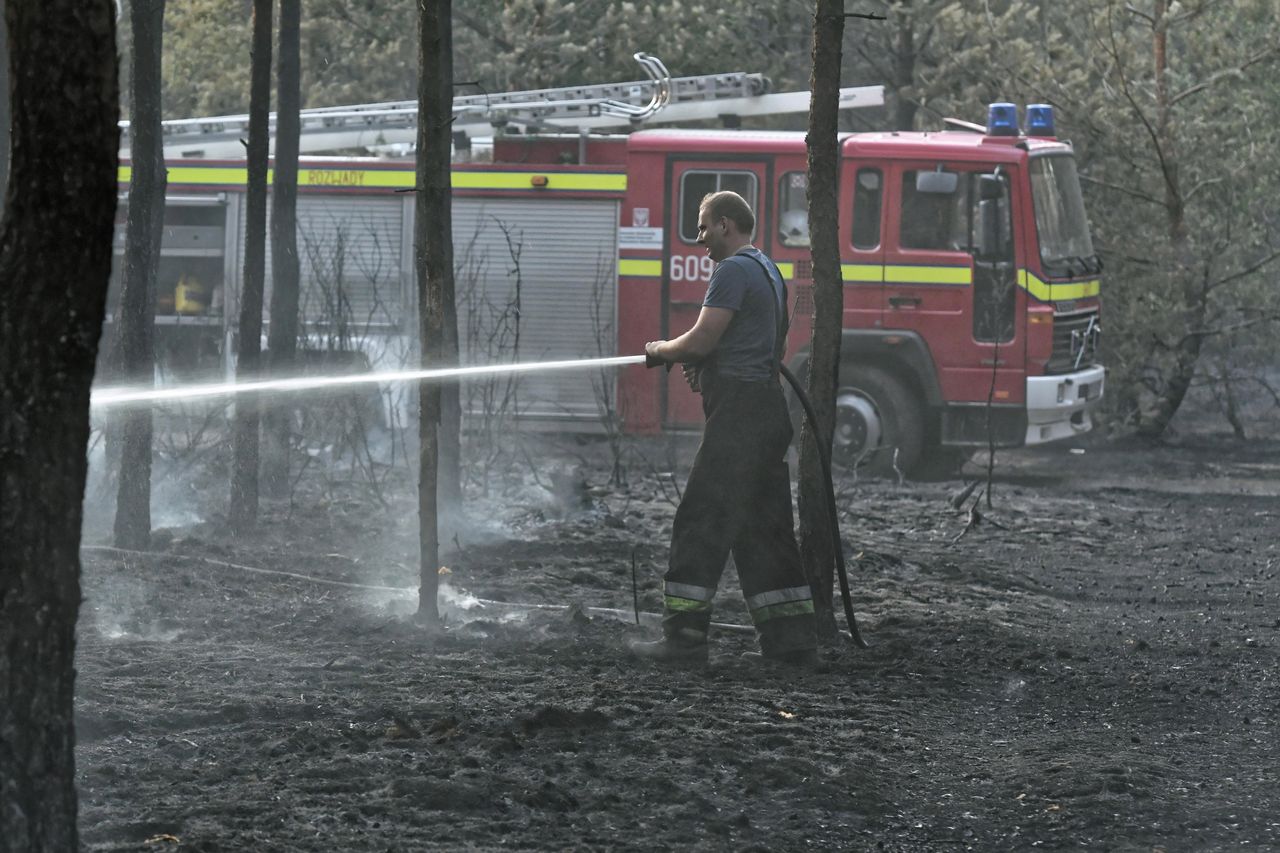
(793, 209)
(866, 209)
(937, 221)
(694, 186)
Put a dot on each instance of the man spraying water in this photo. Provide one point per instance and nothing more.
(738, 498)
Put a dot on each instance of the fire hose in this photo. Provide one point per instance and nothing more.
(833, 516)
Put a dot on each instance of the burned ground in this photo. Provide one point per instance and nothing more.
(1093, 665)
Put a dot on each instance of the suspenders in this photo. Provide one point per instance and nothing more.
(783, 323)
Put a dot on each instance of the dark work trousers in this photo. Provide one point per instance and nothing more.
(738, 499)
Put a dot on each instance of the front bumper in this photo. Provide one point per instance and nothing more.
(1058, 406)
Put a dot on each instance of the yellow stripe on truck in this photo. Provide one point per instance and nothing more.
(238, 176)
(904, 274)
(1047, 292)
(862, 272)
(554, 181)
(211, 175)
(378, 179)
(636, 267)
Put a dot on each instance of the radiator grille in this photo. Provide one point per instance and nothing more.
(1075, 341)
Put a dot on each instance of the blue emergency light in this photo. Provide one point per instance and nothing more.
(1002, 120)
(1039, 120)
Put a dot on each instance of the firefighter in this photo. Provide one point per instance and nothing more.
(738, 498)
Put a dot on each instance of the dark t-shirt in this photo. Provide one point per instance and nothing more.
(746, 350)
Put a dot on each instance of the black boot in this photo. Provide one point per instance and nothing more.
(682, 646)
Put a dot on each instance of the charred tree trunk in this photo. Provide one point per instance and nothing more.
(816, 546)
(243, 513)
(282, 336)
(450, 486)
(5, 117)
(61, 196)
(1154, 420)
(135, 344)
(433, 254)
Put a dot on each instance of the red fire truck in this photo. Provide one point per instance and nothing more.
(971, 288)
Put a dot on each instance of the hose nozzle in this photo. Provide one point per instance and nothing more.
(654, 361)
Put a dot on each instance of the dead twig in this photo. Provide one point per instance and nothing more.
(958, 499)
(635, 587)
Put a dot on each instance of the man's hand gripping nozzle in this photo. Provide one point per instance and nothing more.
(655, 361)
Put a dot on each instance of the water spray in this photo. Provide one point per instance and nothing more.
(104, 398)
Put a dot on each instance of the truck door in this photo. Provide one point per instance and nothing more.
(688, 268)
(944, 283)
(861, 248)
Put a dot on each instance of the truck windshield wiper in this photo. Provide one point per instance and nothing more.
(1091, 264)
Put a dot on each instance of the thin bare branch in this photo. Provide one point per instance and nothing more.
(1132, 193)
(1152, 132)
(1247, 271)
(1234, 327)
(1138, 13)
(1224, 74)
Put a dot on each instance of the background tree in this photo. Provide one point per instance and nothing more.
(282, 336)
(4, 106)
(433, 256)
(1193, 128)
(135, 331)
(1174, 125)
(243, 513)
(61, 193)
(357, 52)
(816, 542)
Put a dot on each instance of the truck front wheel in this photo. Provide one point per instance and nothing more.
(877, 418)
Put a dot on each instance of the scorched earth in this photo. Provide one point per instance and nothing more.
(1093, 665)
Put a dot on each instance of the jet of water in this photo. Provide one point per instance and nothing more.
(104, 398)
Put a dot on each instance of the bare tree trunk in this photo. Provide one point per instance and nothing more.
(904, 70)
(282, 336)
(136, 332)
(450, 486)
(433, 253)
(243, 513)
(816, 545)
(1154, 420)
(55, 259)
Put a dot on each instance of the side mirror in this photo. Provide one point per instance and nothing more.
(936, 183)
(990, 187)
(990, 242)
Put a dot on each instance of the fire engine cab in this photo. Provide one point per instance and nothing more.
(971, 288)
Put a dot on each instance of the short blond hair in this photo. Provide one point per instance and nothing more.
(731, 206)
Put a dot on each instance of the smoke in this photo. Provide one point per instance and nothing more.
(183, 490)
(119, 608)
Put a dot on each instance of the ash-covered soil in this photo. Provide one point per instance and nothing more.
(1092, 665)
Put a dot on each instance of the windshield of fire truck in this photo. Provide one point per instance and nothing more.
(1063, 228)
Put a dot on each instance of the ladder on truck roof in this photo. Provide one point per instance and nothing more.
(603, 106)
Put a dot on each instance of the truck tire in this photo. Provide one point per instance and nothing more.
(876, 416)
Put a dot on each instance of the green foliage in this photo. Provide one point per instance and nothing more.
(1179, 195)
(206, 58)
(362, 51)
